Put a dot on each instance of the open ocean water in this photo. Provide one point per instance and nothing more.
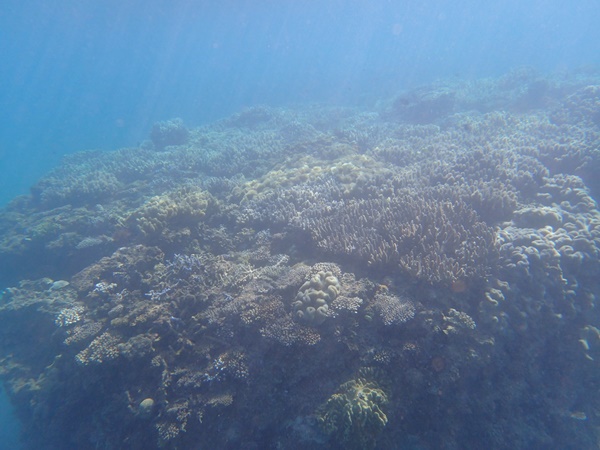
(377, 219)
(96, 75)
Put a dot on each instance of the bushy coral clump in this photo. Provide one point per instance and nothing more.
(354, 416)
(181, 207)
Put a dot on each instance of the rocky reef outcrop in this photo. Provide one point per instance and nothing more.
(422, 275)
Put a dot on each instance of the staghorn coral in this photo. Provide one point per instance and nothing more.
(167, 431)
(432, 240)
(492, 158)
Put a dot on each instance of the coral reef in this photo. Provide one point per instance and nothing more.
(184, 206)
(170, 132)
(423, 275)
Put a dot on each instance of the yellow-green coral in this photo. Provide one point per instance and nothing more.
(354, 416)
(184, 205)
(349, 172)
(293, 173)
(314, 297)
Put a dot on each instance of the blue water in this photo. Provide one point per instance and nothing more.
(9, 427)
(85, 74)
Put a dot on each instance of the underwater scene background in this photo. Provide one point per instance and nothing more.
(300, 225)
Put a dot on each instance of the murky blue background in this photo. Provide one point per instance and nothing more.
(84, 74)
